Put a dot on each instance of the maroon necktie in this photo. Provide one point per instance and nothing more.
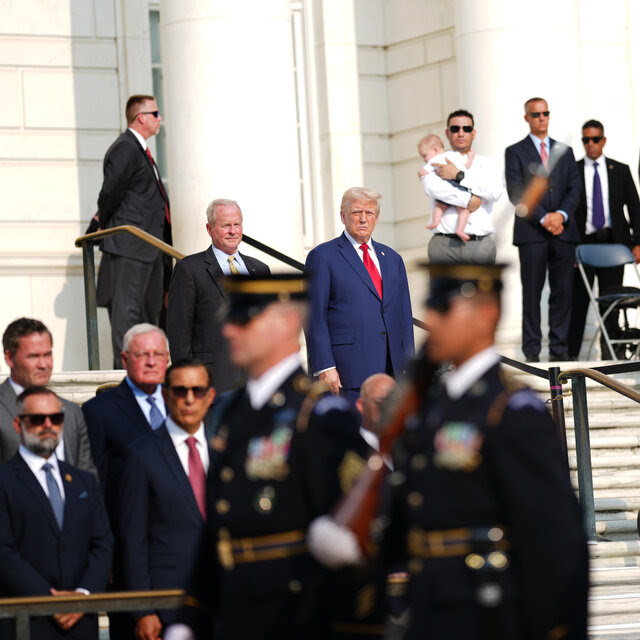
(162, 191)
(371, 268)
(197, 476)
(544, 156)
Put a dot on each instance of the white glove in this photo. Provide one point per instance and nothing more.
(331, 544)
(178, 631)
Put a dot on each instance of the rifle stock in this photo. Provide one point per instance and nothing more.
(358, 509)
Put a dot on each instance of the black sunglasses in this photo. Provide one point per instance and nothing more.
(594, 139)
(181, 392)
(155, 114)
(467, 128)
(38, 419)
(537, 114)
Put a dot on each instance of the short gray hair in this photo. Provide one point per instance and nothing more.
(138, 329)
(358, 193)
(220, 202)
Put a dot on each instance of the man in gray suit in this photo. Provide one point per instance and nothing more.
(194, 324)
(27, 345)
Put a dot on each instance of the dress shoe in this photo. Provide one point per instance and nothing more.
(560, 357)
(533, 358)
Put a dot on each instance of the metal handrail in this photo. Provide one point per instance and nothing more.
(581, 429)
(23, 608)
(135, 231)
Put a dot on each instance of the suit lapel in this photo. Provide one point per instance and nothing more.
(213, 269)
(27, 479)
(8, 397)
(130, 407)
(170, 455)
(350, 255)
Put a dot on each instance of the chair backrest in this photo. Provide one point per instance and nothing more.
(602, 256)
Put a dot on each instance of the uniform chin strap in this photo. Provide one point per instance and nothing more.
(331, 544)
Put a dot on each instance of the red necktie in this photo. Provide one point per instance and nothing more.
(544, 156)
(162, 191)
(371, 268)
(197, 476)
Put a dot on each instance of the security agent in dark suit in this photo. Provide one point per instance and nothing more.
(482, 506)
(602, 223)
(546, 239)
(133, 194)
(28, 345)
(196, 295)
(162, 494)
(284, 453)
(54, 532)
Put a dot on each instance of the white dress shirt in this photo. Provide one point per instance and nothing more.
(483, 179)
(223, 261)
(589, 172)
(179, 437)
(141, 398)
(360, 252)
(460, 380)
(261, 389)
(35, 463)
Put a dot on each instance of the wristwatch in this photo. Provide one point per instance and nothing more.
(459, 176)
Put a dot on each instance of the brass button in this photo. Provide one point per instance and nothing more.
(226, 474)
(415, 499)
(498, 559)
(223, 506)
(265, 503)
(418, 462)
(474, 561)
(295, 586)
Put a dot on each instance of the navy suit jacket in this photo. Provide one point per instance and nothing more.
(36, 555)
(114, 421)
(160, 527)
(563, 193)
(349, 325)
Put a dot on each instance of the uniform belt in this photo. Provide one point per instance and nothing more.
(232, 551)
(447, 543)
(454, 235)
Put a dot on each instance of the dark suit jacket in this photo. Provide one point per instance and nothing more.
(194, 325)
(563, 193)
(130, 194)
(160, 527)
(114, 420)
(77, 450)
(35, 555)
(622, 191)
(349, 325)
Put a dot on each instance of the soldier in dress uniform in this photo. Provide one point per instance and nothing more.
(483, 509)
(285, 450)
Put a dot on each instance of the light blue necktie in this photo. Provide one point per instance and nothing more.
(155, 417)
(55, 497)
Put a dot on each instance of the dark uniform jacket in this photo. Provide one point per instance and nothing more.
(489, 459)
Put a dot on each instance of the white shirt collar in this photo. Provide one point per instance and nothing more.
(179, 435)
(140, 139)
(459, 381)
(356, 244)
(602, 162)
(18, 388)
(261, 389)
(35, 461)
(139, 393)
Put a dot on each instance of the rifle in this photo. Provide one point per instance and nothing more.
(358, 509)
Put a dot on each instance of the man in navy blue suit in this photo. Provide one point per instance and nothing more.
(162, 494)
(546, 238)
(54, 532)
(360, 321)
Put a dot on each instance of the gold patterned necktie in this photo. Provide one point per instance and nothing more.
(232, 266)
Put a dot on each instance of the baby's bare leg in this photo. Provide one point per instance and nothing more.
(436, 216)
(463, 218)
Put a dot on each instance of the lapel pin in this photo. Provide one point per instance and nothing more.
(382, 252)
(67, 477)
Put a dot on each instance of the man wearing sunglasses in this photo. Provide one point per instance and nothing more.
(606, 189)
(133, 194)
(28, 351)
(484, 185)
(54, 532)
(162, 494)
(547, 236)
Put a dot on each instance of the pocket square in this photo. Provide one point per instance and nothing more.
(84, 494)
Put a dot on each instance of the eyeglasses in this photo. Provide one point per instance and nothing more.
(181, 392)
(155, 114)
(537, 114)
(38, 419)
(467, 128)
(145, 355)
(594, 139)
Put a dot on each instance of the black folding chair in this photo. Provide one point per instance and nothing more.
(613, 299)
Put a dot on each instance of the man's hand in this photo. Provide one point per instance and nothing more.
(636, 252)
(66, 620)
(474, 203)
(148, 627)
(554, 223)
(447, 171)
(331, 378)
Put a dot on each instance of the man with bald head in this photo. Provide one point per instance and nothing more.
(196, 295)
(373, 393)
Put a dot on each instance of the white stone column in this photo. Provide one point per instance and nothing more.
(231, 117)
